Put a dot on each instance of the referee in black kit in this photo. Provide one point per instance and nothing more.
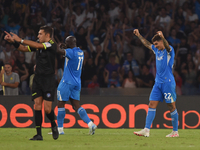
(43, 88)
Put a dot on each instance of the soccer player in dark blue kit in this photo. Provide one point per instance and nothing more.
(70, 85)
(164, 87)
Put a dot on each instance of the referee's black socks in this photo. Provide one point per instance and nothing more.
(51, 117)
(38, 121)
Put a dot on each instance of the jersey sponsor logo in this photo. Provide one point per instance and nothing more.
(11, 78)
(80, 53)
(47, 44)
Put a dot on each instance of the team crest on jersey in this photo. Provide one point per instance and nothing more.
(48, 95)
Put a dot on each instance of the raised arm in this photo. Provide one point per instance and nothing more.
(88, 39)
(142, 39)
(70, 6)
(61, 49)
(15, 40)
(166, 44)
(20, 47)
(27, 42)
(126, 9)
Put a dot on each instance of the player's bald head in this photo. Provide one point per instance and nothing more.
(70, 41)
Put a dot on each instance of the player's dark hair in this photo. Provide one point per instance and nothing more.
(47, 29)
(156, 38)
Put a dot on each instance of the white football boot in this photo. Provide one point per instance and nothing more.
(144, 132)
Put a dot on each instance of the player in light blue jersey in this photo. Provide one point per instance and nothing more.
(70, 85)
(164, 87)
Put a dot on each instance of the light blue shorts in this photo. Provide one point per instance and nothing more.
(162, 91)
(66, 91)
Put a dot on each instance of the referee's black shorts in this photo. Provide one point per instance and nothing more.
(44, 86)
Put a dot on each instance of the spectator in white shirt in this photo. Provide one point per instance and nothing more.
(80, 16)
(113, 12)
(189, 16)
(90, 15)
(163, 19)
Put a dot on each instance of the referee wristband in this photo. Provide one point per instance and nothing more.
(16, 44)
(22, 40)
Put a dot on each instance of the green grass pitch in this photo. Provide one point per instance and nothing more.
(104, 139)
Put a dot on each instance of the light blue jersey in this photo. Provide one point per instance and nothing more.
(165, 85)
(73, 66)
(70, 84)
(164, 64)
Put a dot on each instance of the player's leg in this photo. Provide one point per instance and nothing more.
(83, 115)
(151, 113)
(80, 110)
(48, 91)
(61, 116)
(154, 99)
(51, 116)
(169, 90)
(174, 116)
(149, 119)
(38, 118)
(38, 99)
(63, 92)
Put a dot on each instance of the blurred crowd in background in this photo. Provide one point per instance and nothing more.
(114, 57)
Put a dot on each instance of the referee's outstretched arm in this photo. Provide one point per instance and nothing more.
(14, 39)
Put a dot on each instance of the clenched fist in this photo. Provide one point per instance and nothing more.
(136, 32)
(160, 34)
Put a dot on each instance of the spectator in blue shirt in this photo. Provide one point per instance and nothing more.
(130, 64)
(112, 65)
(114, 80)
